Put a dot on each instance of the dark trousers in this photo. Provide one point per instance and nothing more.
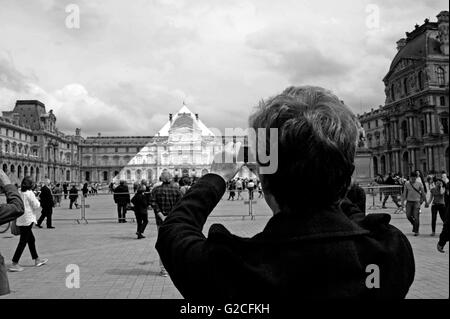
(121, 212)
(394, 199)
(72, 201)
(142, 221)
(443, 238)
(26, 238)
(412, 213)
(47, 212)
(435, 208)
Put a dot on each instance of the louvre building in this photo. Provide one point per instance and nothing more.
(410, 131)
(30, 144)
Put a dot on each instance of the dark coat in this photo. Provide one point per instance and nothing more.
(73, 193)
(46, 198)
(323, 256)
(121, 195)
(8, 212)
(141, 203)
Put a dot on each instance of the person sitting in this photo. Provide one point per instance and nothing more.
(311, 247)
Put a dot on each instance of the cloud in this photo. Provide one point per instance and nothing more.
(133, 62)
(10, 77)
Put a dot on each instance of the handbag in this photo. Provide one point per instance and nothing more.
(15, 230)
(130, 207)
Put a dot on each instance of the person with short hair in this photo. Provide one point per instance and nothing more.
(122, 199)
(311, 248)
(414, 196)
(140, 202)
(438, 203)
(47, 204)
(25, 224)
(164, 198)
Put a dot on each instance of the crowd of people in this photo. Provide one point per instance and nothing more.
(412, 192)
(238, 185)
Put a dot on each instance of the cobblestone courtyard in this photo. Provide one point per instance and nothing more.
(113, 264)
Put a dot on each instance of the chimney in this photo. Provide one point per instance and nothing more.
(77, 132)
(443, 31)
(196, 116)
(401, 43)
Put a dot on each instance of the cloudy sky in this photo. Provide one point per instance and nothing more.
(132, 62)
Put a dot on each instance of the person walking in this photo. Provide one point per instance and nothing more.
(10, 211)
(73, 197)
(239, 189)
(25, 224)
(140, 202)
(122, 199)
(65, 190)
(47, 204)
(231, 189)
(391, 191)
(85, 190)
(438, 203)
(251, 189)
(414, 195)
(164, 198)
(57, 193)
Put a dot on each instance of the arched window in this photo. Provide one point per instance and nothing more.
(421, 80)
(422, 128)
(405, 86)
(128, 174)
(440, 73)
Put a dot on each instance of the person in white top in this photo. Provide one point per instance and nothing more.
(25, 224)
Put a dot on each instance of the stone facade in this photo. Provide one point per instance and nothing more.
(411, 130)
(30, 144)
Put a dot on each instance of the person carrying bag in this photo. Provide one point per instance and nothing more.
(8, 212)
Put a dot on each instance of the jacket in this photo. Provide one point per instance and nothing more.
(140, 202)
(8, 212)
(121, 195)
(46, 198)
(329, 254)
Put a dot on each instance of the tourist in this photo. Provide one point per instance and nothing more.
(164, 198)
(85, 190)
(25, 224)
(73, 196)
(231, 190)
(260, 190)
(414, 195)
(57, 193)
(65, 190)
(140, 202)
(239, 188)
(250, 189)
(122, 199)
(443, 238)
(437, 198)
(310, 248)
(391, 191)
(47, 204)
(10, 211)
(186, 184)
